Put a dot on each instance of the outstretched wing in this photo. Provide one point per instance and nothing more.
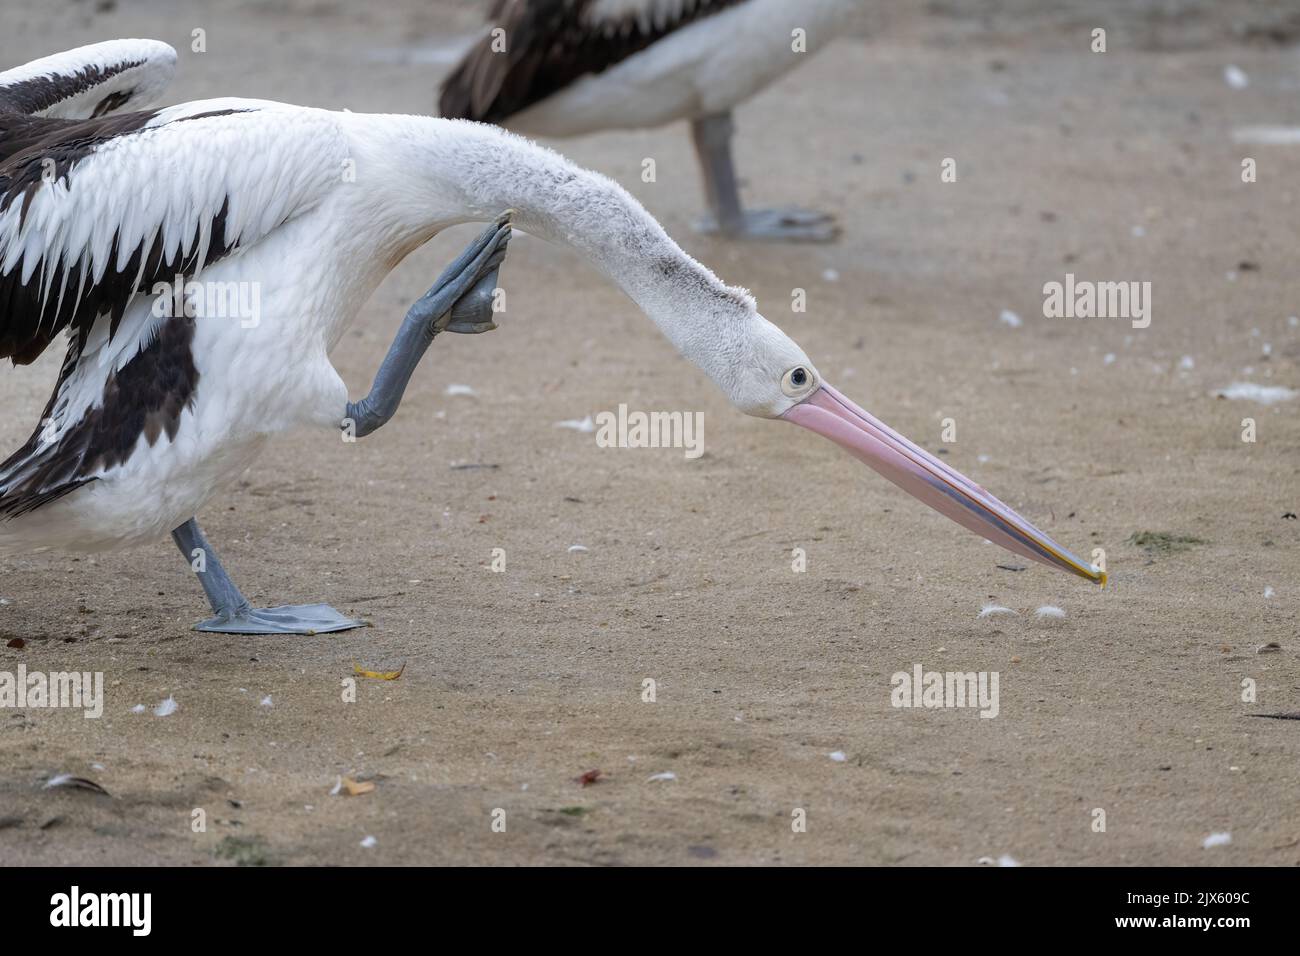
(93, 212)
(130, 202)
(89, 81)
(549, 44)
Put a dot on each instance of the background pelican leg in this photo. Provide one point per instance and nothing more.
(712, 136)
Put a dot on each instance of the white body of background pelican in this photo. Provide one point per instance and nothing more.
(156, 411)
(570, 67)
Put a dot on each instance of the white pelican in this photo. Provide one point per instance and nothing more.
(571, 67)
(158, 409)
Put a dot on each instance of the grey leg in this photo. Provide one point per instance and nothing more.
(712, 136)
(460, 301)
(233, 613)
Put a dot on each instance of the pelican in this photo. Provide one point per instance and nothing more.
(571, 67)
(162, 402)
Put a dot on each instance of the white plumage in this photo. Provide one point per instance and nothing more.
(321, 206)
(158, 410)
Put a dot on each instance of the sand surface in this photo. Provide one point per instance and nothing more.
(1115, 166)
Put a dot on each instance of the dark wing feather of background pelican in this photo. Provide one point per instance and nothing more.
(550, 44)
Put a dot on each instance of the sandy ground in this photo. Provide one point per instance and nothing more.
(1119, 166)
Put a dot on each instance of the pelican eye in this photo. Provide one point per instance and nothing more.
(796, 381)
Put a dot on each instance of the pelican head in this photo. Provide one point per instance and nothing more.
(778, 381)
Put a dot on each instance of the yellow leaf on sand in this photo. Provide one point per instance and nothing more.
(378, 675)
(356, 789)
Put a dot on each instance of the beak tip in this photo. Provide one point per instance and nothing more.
(922, 475)
(1093, 573)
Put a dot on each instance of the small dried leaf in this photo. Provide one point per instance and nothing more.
(17, 643)
(378, 675)
(588, 778)
(357, 788)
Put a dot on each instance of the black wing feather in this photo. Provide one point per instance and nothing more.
(39, 93)
(35, 154)
(549, 44)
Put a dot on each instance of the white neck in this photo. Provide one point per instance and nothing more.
(427, 174)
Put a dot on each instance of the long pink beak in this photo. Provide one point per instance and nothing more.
(923, 476)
